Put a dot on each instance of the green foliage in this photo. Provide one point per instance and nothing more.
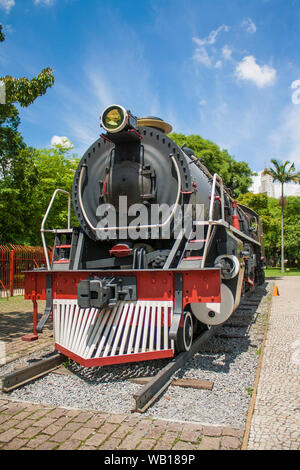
(292, 228)
(26, 193)
(11, 141)
(236, 175)
(281, 173)
(23, 170)
(2, 37)
(269, 210)
(23, 92)
(289, 239)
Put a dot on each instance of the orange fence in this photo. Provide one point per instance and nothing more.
(14, 260)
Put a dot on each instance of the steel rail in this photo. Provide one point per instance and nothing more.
(153, 389)
(20, 377)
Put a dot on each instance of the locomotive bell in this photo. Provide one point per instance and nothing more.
(156, 123)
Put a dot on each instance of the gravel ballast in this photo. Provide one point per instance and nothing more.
(229, 362)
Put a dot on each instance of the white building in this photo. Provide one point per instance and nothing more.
(264, 184)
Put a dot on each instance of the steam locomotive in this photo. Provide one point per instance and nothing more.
(162, 251)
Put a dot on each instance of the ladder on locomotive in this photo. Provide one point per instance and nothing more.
(198, 249)
(60, 248)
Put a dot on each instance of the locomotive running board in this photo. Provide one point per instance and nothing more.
(130, 332)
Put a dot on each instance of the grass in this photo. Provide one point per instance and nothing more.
(276, 272)
(15, 298)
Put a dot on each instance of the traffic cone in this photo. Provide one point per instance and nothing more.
(276, 292)
(235, 216)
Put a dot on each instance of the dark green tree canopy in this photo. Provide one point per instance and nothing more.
(280, 172)
(26, 192)
(269, 211)
(236, 175)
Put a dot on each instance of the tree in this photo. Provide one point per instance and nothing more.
(292, 230)
(23, 92)
(236, 175)
(281, 173)
(269, 212)
(18, 172)
(26, 193)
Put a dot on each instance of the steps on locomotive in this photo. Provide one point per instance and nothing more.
(129, 332)
(194, 251)
(63, 243)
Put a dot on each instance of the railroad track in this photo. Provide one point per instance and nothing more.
(236, 327)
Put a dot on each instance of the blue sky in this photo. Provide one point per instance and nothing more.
(228, 70)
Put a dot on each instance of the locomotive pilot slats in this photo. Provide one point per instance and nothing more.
(130, 328)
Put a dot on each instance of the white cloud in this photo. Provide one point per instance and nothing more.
(201, 55)
(226, 52)
(100, 88)
(285, 139)
(43, 2)
(296, 95)
(212, 37)
(63, 141)
(218, 64)
(249, 70)
(7, 5)
(249, 26)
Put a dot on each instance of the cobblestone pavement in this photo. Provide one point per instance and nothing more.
(16, 320)
(276, 419)
(28, 426)
(33, 426)
(275, 423)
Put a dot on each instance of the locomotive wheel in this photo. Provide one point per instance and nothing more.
(184, 338)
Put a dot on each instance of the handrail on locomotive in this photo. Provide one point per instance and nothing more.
(54, 230)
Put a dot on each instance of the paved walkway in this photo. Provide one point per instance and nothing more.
(276, 419)
(27, 426)
(16, 320)
(275, 422)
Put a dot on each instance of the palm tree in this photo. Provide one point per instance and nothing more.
(283, 175)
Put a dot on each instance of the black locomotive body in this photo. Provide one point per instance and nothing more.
(162, 250)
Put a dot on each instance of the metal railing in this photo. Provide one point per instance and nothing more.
(43, 230)
(14, 260)
(211, 222)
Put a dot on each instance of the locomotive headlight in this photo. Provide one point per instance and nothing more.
(115, 118)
